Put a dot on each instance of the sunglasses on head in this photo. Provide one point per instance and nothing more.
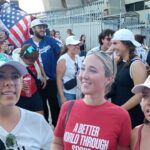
(105, 54)
(30, 50)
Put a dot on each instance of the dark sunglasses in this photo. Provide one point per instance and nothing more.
(76, 67)
(11, 140)
(108, 39)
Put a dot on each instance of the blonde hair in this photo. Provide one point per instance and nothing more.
(109, 66)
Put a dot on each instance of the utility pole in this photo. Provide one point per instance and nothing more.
(120, 16)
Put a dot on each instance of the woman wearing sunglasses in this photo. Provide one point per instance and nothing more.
(30, 98)
(67, 68)
(20, 129)
(93, 123)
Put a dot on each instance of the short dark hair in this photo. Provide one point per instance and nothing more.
(103, 34)
(140, 38)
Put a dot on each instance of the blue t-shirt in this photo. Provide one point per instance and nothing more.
(49, 50)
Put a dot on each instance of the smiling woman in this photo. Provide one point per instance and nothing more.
(128, 75)
(93, 122)
(19, 128)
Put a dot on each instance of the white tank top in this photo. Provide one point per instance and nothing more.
(70, 70)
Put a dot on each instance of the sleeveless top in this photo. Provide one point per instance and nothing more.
(121, 92)
(72, 66)
(137, 145)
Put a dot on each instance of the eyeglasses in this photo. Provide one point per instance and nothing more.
(11, 141)
(108, 39)
(30, 50)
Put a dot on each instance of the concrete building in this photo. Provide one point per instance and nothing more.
(140, 6)
(113, 6)
(91, 16)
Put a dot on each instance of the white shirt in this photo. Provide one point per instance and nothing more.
(142, 53)
(71, 70)
(32, 132)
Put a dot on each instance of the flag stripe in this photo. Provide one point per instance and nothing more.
(12, 38)
(19, 32)
(17, 22)
(23, 25)
(14, 32)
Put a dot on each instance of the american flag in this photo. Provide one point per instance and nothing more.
(16, 22)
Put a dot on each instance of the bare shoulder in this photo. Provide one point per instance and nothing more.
(135, 130)
(138, 72)
(134, 136)
(138, 63)
(61, 61)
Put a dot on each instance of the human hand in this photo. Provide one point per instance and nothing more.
(63, 100)
(44, 82)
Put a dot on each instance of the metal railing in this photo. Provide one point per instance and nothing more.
(91, 20)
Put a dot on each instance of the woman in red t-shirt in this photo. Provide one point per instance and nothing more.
(30, 98)
(93, 123)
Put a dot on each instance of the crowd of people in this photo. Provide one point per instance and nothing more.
(96, 99)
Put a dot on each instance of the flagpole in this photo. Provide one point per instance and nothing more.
(120, 15)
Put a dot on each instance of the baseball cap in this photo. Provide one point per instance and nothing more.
(72, 40)
(6, 60)
(125, 35)
(139, 88)
(37, 22)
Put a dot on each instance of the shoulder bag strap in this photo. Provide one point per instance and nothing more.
(30, 72)
(69, 111)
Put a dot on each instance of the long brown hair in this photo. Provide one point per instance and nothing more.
(129, 45)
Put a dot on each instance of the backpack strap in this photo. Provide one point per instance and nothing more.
(69, 111)
(30, 72)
